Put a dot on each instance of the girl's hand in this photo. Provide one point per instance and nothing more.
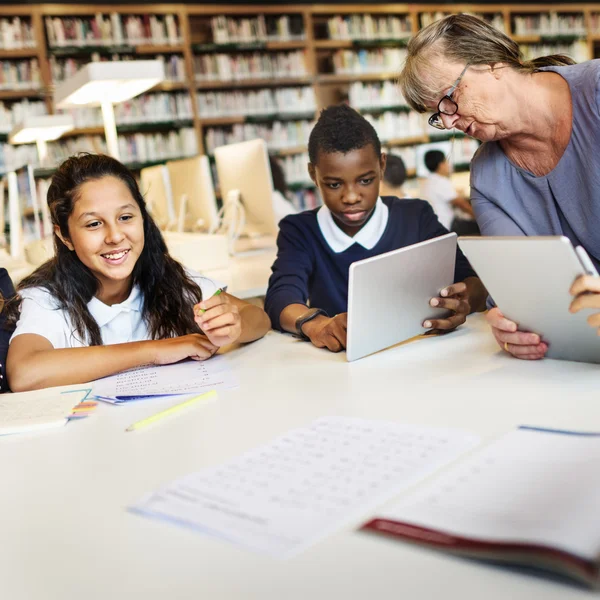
(455, 298)
(194, 345)
(219, 319)
(520, 344)
(586, 290)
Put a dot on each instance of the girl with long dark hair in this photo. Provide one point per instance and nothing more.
(112, 298)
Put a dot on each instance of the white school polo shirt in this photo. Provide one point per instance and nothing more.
(118, 323)
(367, 237)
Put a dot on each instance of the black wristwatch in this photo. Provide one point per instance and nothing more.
(310, 314)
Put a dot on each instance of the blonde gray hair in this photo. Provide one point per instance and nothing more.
(461, 39)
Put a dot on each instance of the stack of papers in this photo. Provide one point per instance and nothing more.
(188, 378)
(287, 494)
(43, 409)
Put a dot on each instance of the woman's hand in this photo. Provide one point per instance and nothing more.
(586, 290)
(455, 298)
(219, 319)
(326, 332)
(520, 344)
(194, 345)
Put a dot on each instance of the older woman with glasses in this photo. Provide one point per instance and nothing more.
(538, 172)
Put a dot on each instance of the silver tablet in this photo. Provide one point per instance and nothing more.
(389, 294)
(529, 279)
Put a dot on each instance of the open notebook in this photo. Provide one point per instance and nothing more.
(529, 499)
(40, 409)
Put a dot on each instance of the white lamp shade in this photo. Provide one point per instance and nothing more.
(41, 128)
(109, 81)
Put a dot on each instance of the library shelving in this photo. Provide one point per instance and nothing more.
(235, 71)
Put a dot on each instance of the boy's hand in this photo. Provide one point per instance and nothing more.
(455, 297)
(219, 319)
(325, 332)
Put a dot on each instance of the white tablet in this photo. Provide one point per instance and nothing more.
(529, 279)
(389, 294)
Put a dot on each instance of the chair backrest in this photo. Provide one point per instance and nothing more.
(191, 177)
(156, 189)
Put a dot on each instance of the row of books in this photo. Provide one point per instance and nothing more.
(256, 102)
(295, 169)
(112, 30)
(279, 135)
(20, 74)
(63, 68)
(146, 147)
(262, 28)
(393, 126)
(368, 27)
(549, 24)
(16, 33)
(306, 199)
(133, 148)
(363, 96)
(379, 60)
(15, 112)
(147, 108)
(494, 19)
(13, 157)
(151, 108)
(225, 67)
(577, 50)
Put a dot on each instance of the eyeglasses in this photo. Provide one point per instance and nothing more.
(446, 106)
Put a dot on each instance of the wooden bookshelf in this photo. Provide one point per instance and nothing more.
(308, 33)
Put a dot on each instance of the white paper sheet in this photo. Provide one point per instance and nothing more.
(532, 486)
(40, 409)
(283, 496)
(190, 377)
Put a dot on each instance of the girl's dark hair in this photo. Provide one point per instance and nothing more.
(169, 293)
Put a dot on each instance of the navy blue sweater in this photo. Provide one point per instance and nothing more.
(307, 270)
(6, 291)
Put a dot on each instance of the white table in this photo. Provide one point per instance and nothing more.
(65, 532)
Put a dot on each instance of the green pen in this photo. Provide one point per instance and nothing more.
(217, 293)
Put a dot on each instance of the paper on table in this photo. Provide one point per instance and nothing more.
(39, 409)
(189, 377)
(281, 497)
(530, 486)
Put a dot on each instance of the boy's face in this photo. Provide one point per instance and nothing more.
(349, 185)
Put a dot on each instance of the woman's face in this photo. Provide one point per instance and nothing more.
(481, 96)
(106, 231)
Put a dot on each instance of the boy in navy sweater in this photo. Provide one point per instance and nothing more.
(317, 247)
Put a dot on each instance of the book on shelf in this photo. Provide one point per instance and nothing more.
(15, 112)
(278, 135)
(368, 27)
(20, 74)
(550, 24)
(112, 30)
(379, 60)
(256, 102)
(262, 28)
(16, 33)
(229, 67)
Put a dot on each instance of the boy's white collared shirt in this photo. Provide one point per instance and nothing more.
(367, 237)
